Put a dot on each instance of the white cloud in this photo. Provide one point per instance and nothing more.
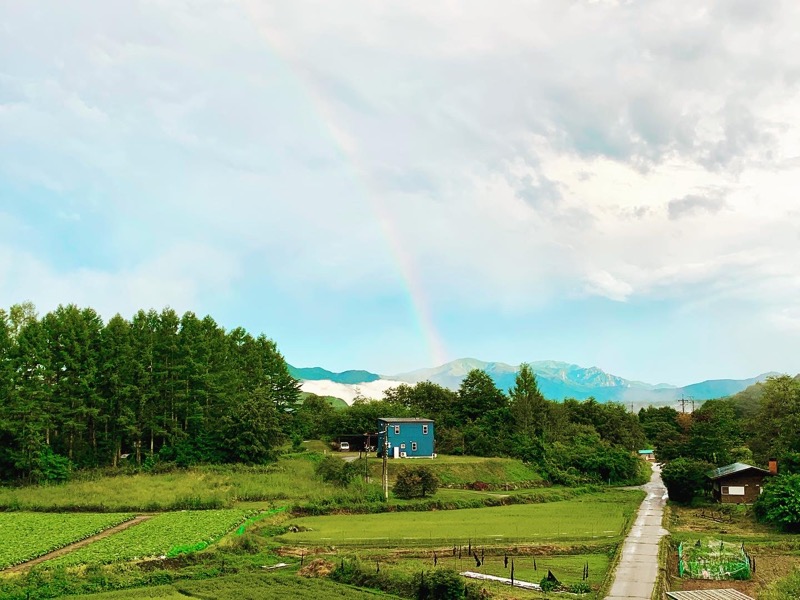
(508, 155)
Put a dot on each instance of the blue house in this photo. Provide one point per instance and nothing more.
(408, 438)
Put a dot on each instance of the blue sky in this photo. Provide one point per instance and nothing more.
(391, 185)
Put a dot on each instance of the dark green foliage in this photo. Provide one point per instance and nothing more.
(177, 388)
(779, 504)
(478, 395)
(337, 471)
(528, 406)
(415, 482)
(548, 585)
(685, 477)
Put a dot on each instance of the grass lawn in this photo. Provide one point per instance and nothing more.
(568, 568)
(589, 517)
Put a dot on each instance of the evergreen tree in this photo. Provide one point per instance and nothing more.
(529, 407)
(478, 395)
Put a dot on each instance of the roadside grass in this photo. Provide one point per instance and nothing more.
(596, 516)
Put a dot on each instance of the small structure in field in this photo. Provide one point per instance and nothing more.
(739, 483)
(647, 455)
(407, 438)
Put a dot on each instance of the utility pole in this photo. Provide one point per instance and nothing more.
(386, 463)
(366, 460)
(683, 404)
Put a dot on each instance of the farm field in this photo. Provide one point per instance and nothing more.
(261, 586)
(25, 536)
(166, 534)
(777, 554)
(589, 517)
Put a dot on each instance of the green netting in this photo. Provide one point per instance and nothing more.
(713, 560)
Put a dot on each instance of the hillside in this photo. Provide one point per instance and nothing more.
(557, 380)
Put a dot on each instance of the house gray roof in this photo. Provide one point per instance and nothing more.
(393, 420)
(736, 467)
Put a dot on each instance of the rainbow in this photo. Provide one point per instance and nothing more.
(419, 302)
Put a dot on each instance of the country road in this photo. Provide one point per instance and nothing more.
(637, 571)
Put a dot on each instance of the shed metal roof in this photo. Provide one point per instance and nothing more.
(709, 595)
(736, 467)
(398, 420)
(645, 451)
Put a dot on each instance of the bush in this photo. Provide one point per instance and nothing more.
(779, 504)
(684, 478)
(337, 471)
(415, 482)
(547, 585)
(51, 468)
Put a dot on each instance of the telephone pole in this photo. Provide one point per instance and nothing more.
(386, 463)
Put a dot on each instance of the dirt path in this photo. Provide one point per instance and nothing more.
(85, 542)
(637, 571)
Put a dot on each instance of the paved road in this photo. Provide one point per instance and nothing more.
(637, 571)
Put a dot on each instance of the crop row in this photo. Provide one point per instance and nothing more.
(166, 534)
(25, 536)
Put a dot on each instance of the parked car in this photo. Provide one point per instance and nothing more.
(344, 447)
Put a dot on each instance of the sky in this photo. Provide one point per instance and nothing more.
(392, 185)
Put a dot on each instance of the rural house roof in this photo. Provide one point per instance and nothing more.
(392, 420)
(645, 451)
(736, 467)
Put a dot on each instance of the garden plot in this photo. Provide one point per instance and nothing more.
(167, 534)
(25, 536)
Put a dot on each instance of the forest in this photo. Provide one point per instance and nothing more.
(77, 393)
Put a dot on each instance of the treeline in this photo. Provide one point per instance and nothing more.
(753, 426)
(760, 423)
(75, 390)
(572, 442)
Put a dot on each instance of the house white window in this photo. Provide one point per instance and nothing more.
(733, 490)
(413, 446)
(397, 429)
(402, 446)
(424, 430)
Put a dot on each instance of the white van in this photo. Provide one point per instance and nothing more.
(344, 447)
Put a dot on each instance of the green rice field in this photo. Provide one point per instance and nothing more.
(590, 517)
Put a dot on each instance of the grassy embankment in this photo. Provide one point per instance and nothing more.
(290, 481)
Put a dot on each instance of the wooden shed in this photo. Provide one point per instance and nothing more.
(738, 483)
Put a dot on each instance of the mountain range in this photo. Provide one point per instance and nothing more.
(557, 380)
